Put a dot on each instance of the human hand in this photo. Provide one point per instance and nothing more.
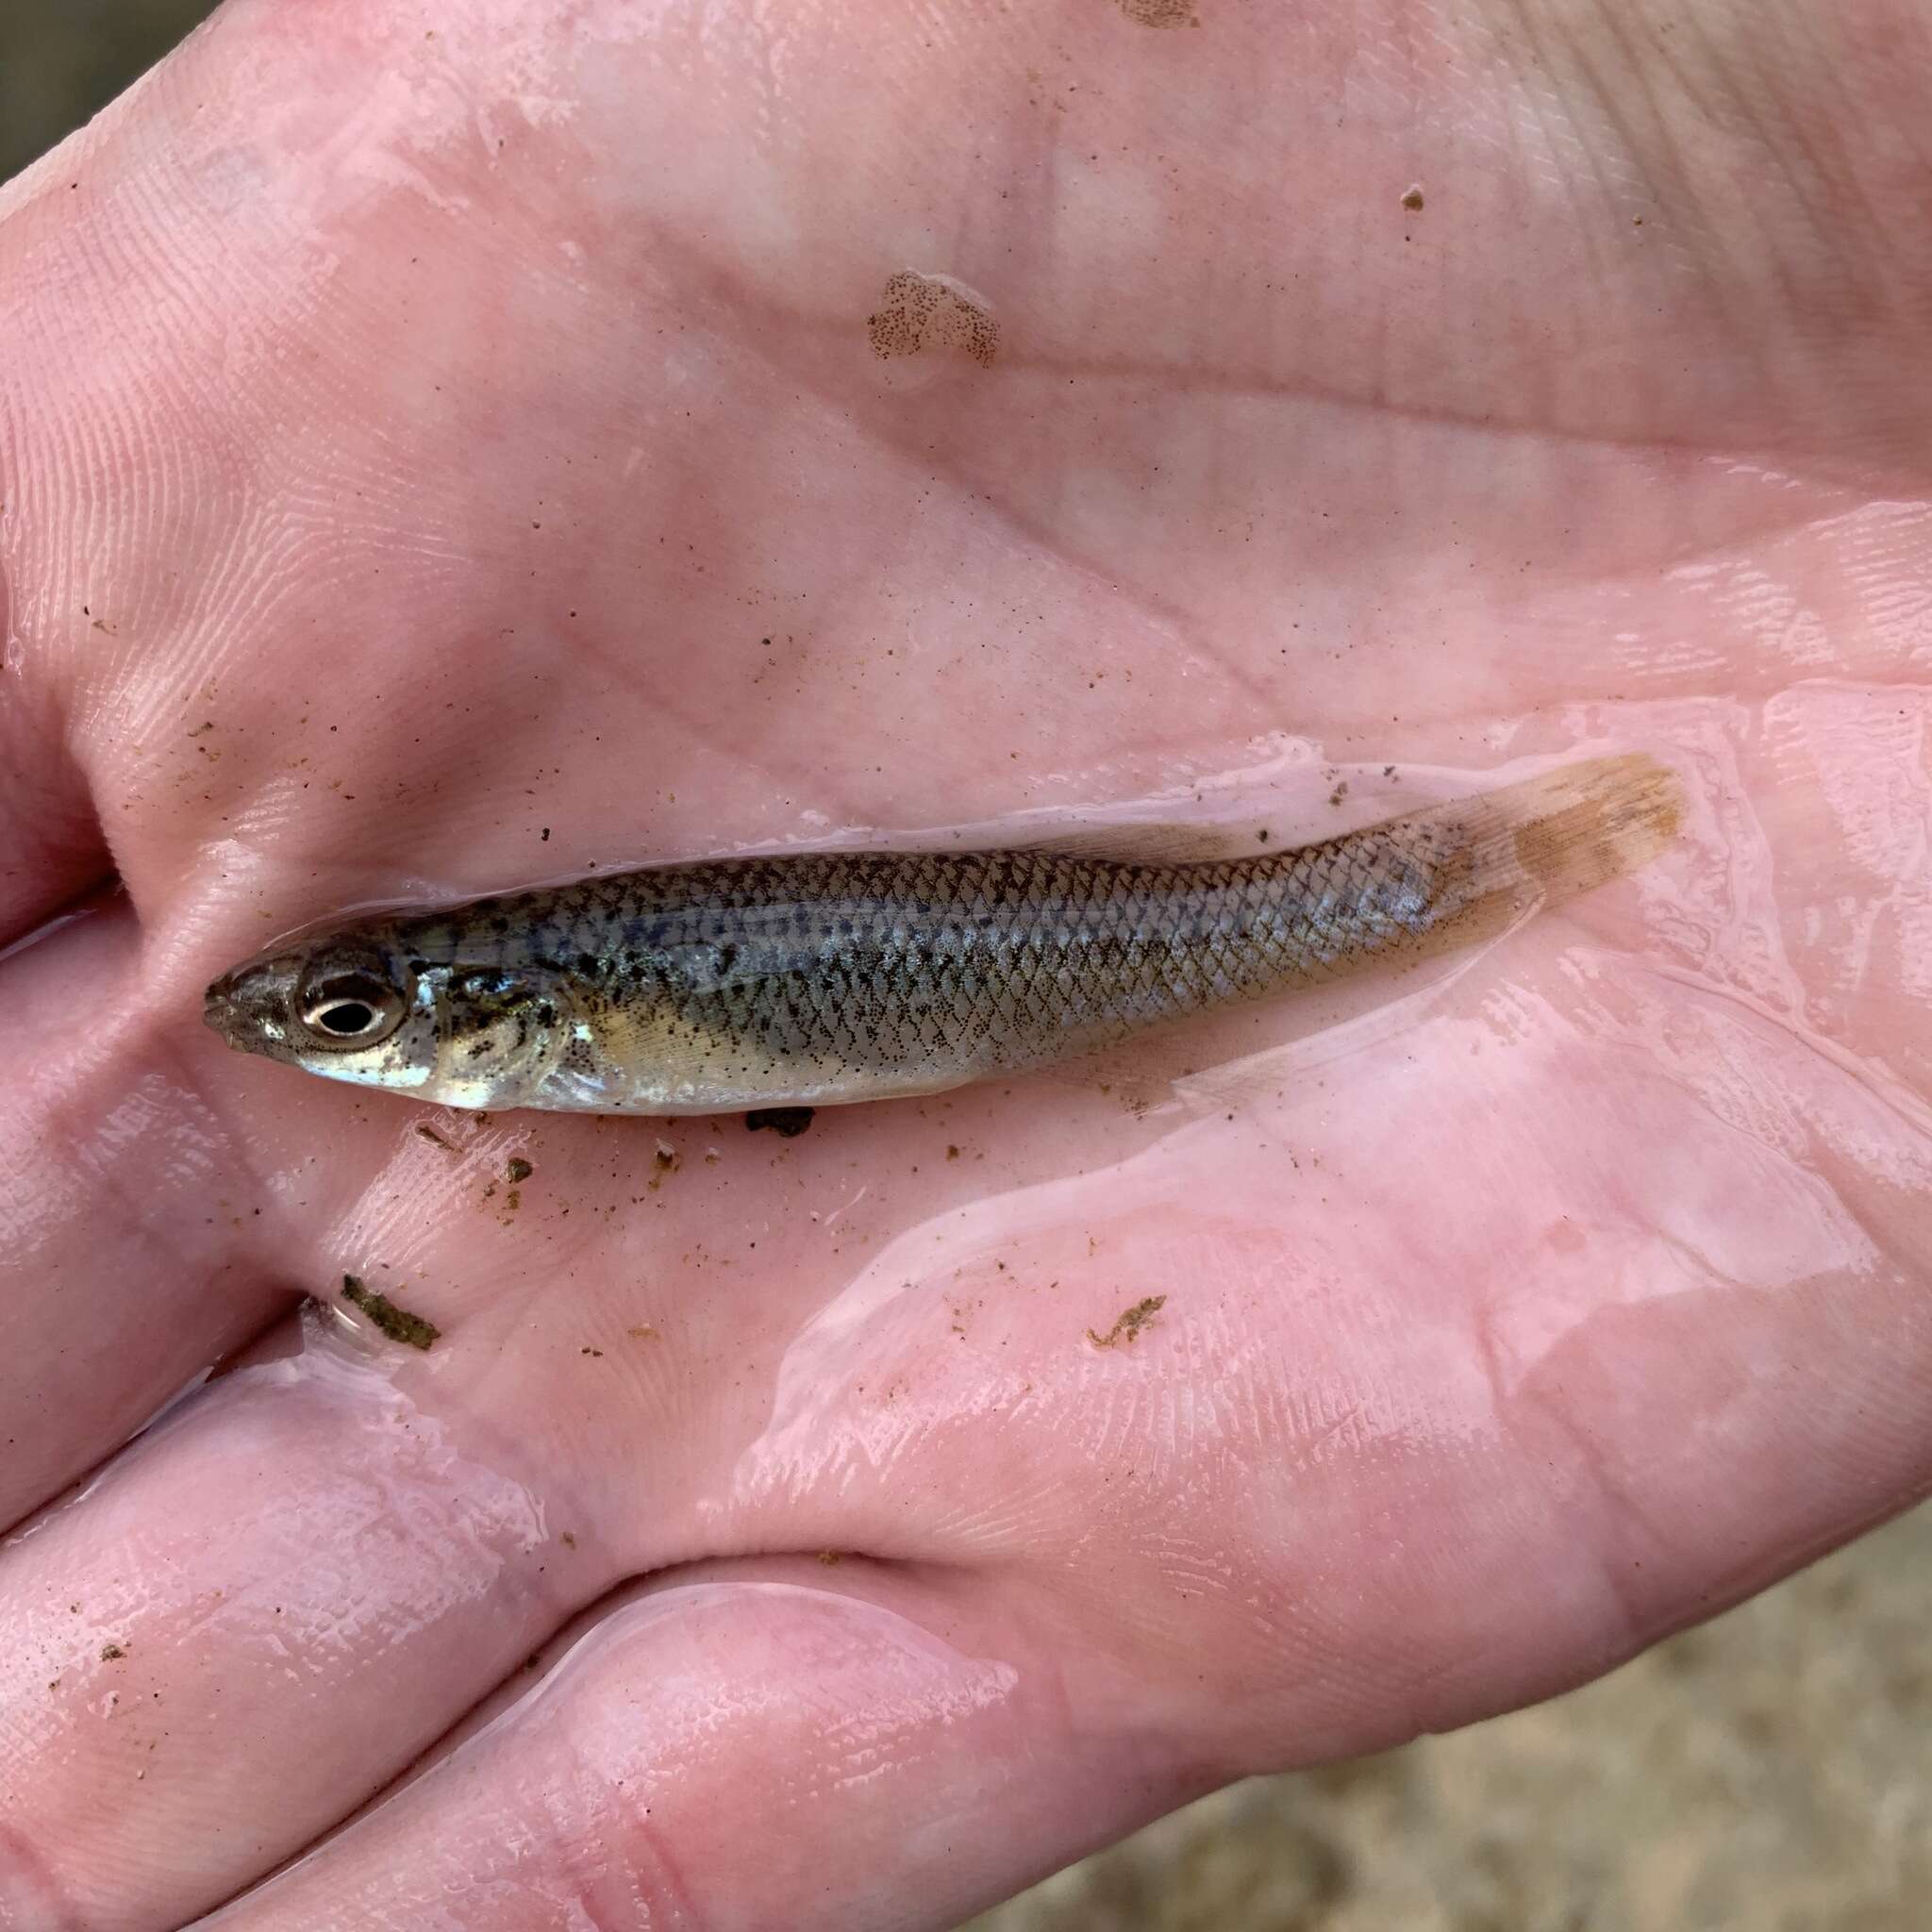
(440, 457)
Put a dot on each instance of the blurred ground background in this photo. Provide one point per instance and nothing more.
(1768, 1773)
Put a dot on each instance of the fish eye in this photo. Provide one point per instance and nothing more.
(352, 1007)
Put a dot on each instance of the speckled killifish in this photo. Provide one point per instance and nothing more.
(815, 978)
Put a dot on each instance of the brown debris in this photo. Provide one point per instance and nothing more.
(397, 1323)
(1129, 1323)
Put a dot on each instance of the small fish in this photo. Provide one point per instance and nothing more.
(817, 979)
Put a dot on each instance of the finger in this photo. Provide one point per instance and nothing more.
(765, 1748)
(420, 1529)
(128, 1214)
(242, 1628)
(348, 1505)
(52, 847)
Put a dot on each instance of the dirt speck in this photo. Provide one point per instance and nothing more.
(397, 1323)
(786, 1122)
(829, 1558)
(435, 1139)
(643, 1332)
(1339, 793)
(1159, 14)
(1130, 1322)
(519, 1170)
(111, 1653)
(590, 1351)
(1412, 199)
(918, 313)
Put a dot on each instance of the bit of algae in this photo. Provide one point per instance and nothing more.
(397, 1323)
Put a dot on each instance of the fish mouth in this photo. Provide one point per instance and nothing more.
(248, 1009)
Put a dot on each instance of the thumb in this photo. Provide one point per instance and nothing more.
(747, 1751)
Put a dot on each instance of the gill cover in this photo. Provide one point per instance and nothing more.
(500, 1032)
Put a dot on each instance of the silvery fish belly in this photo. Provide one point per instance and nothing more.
(824, 977)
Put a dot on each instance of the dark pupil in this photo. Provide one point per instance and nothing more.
(348, 1005)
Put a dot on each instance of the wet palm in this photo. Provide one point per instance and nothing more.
(439, 460)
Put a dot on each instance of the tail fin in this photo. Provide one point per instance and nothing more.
(1576, 828)
(1470, 869)
(1503, 854)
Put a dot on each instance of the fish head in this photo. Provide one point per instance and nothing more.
(348, 1010)
(373, 1011)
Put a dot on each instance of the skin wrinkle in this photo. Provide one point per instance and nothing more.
(65, 1124)
(1625, 28)
(904, 436)
(1748, 82)
(1629, 1621)
(1257, 689)
(496, 1447)
(654, 1874)
(782, 777)
(1656, 148)
(1538, 92)
(1912, 1112)
(9, 658)
(28, 1882)
(1629, 1526)
(1239, 386)
(1661, 149)
(1839, 286)
(1206, 648)
(168, 1244)
(284, 1240)
(667, 704)
(329, 1372)
(1850, 182)
(1796, 291)
(910, 445)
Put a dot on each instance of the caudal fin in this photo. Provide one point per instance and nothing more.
(1577, 826)
(1503, 854)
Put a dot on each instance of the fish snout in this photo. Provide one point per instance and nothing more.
(249, 1007)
